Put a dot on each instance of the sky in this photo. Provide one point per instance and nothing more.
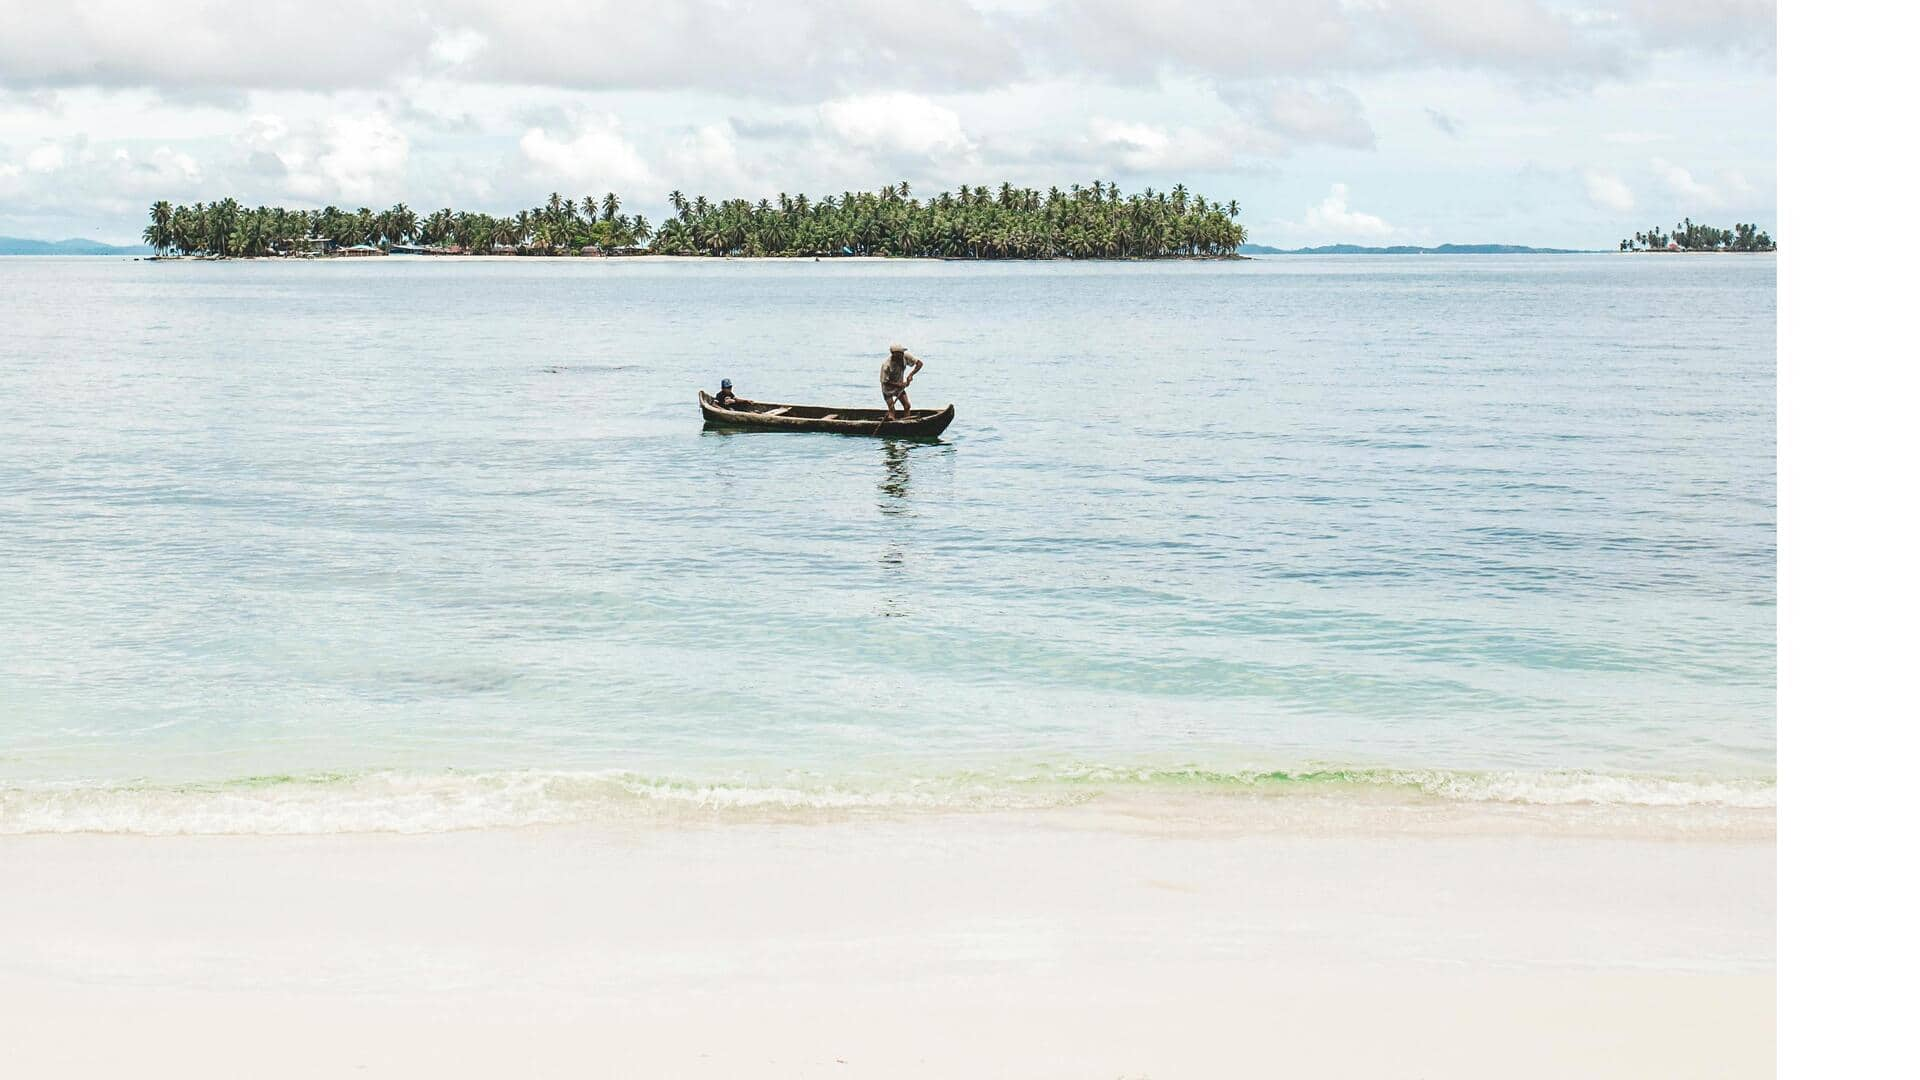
(1539, 122)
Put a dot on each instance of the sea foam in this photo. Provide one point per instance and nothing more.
(400, 802)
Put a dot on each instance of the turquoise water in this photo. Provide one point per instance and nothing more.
(1488, 516)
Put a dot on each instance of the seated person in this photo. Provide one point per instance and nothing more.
(726, 395)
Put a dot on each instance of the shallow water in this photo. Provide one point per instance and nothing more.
(1501, 515)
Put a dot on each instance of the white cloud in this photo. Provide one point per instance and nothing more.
(452, 48)
(1682, 184)
(1328, 115)
(364, 158)
(349, 156)
(91, 181)
(595, 153)
(769, 49)
(778, 50)
(1334, 219)
(1706, 25)
(170, 164)
(200, 44)
(28, 102)
(708, 157)
(46, 158)
(1145, 145)
(161, 168)
(12, 182)
(1139, 148)
(763, 47)
(1524, 36)
(1609, 192)
(488, 105)
(1141, 40)
(897, 123)
(265, 131)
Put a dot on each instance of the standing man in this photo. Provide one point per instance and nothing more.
(895, 378)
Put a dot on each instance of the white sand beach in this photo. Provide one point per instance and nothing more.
(1020, 945)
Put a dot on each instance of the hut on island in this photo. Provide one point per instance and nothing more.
(305, 247)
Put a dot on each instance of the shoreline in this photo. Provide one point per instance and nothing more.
(1254, 256)
(649, 256)
(887, 949)
(1330, 803)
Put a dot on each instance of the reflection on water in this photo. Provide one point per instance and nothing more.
(894, 484)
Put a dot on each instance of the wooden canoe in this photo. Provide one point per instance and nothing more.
(773, 416)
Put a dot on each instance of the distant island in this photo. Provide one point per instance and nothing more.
(1092, 222)
(1403, 249)
(1687, 236)
(14, 245)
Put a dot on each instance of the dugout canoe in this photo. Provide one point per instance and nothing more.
(773, 416)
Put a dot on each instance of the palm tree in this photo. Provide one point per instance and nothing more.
(160, 233)
(398, 224)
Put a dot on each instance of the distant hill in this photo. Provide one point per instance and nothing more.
(14, 245)
(1443, 249)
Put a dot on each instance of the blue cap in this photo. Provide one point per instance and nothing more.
(726, 384)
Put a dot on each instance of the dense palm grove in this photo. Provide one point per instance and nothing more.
(1690, 237)
(971, 223)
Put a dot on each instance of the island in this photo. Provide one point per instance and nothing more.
(1687, 236)
(1082, 222)
(18, 245)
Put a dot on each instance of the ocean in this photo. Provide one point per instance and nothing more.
(415, 544)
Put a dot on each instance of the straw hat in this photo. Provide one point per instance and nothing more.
(896, 347)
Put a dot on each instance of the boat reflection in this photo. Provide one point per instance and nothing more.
(898, 478)
(896, 481)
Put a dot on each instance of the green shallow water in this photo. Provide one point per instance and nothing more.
(1279, 522)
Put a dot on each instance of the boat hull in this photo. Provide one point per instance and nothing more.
(773, 416)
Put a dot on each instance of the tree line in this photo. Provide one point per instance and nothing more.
(1094, 221)
(1690, 237)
